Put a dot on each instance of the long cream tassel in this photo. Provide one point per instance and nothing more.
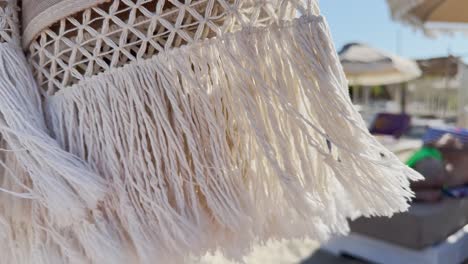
(48, 197)
(49, 205)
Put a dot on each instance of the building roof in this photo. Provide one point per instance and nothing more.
(440, 67)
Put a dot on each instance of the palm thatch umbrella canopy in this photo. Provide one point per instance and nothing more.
(367, 66)
(423, 12)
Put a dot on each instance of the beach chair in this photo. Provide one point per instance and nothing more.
(426, 234)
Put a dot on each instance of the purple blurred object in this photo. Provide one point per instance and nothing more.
(390, 124)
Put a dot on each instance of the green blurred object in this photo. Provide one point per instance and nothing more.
(424, 153)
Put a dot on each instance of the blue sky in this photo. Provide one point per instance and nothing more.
(369, 21)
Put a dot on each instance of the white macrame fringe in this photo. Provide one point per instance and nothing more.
(220, 144)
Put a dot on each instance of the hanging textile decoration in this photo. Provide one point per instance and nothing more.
(160, 130)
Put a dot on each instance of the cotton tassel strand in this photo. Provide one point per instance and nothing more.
(231, 141)
(66, 184)
(49, 197)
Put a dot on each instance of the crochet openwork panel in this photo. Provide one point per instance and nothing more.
(114, 34)
(9, 32)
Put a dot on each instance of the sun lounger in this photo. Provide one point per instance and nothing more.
(427, 234)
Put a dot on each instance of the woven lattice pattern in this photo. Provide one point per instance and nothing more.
(115, 34)
(8, 22)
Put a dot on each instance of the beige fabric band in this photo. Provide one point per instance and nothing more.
(39, 14)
